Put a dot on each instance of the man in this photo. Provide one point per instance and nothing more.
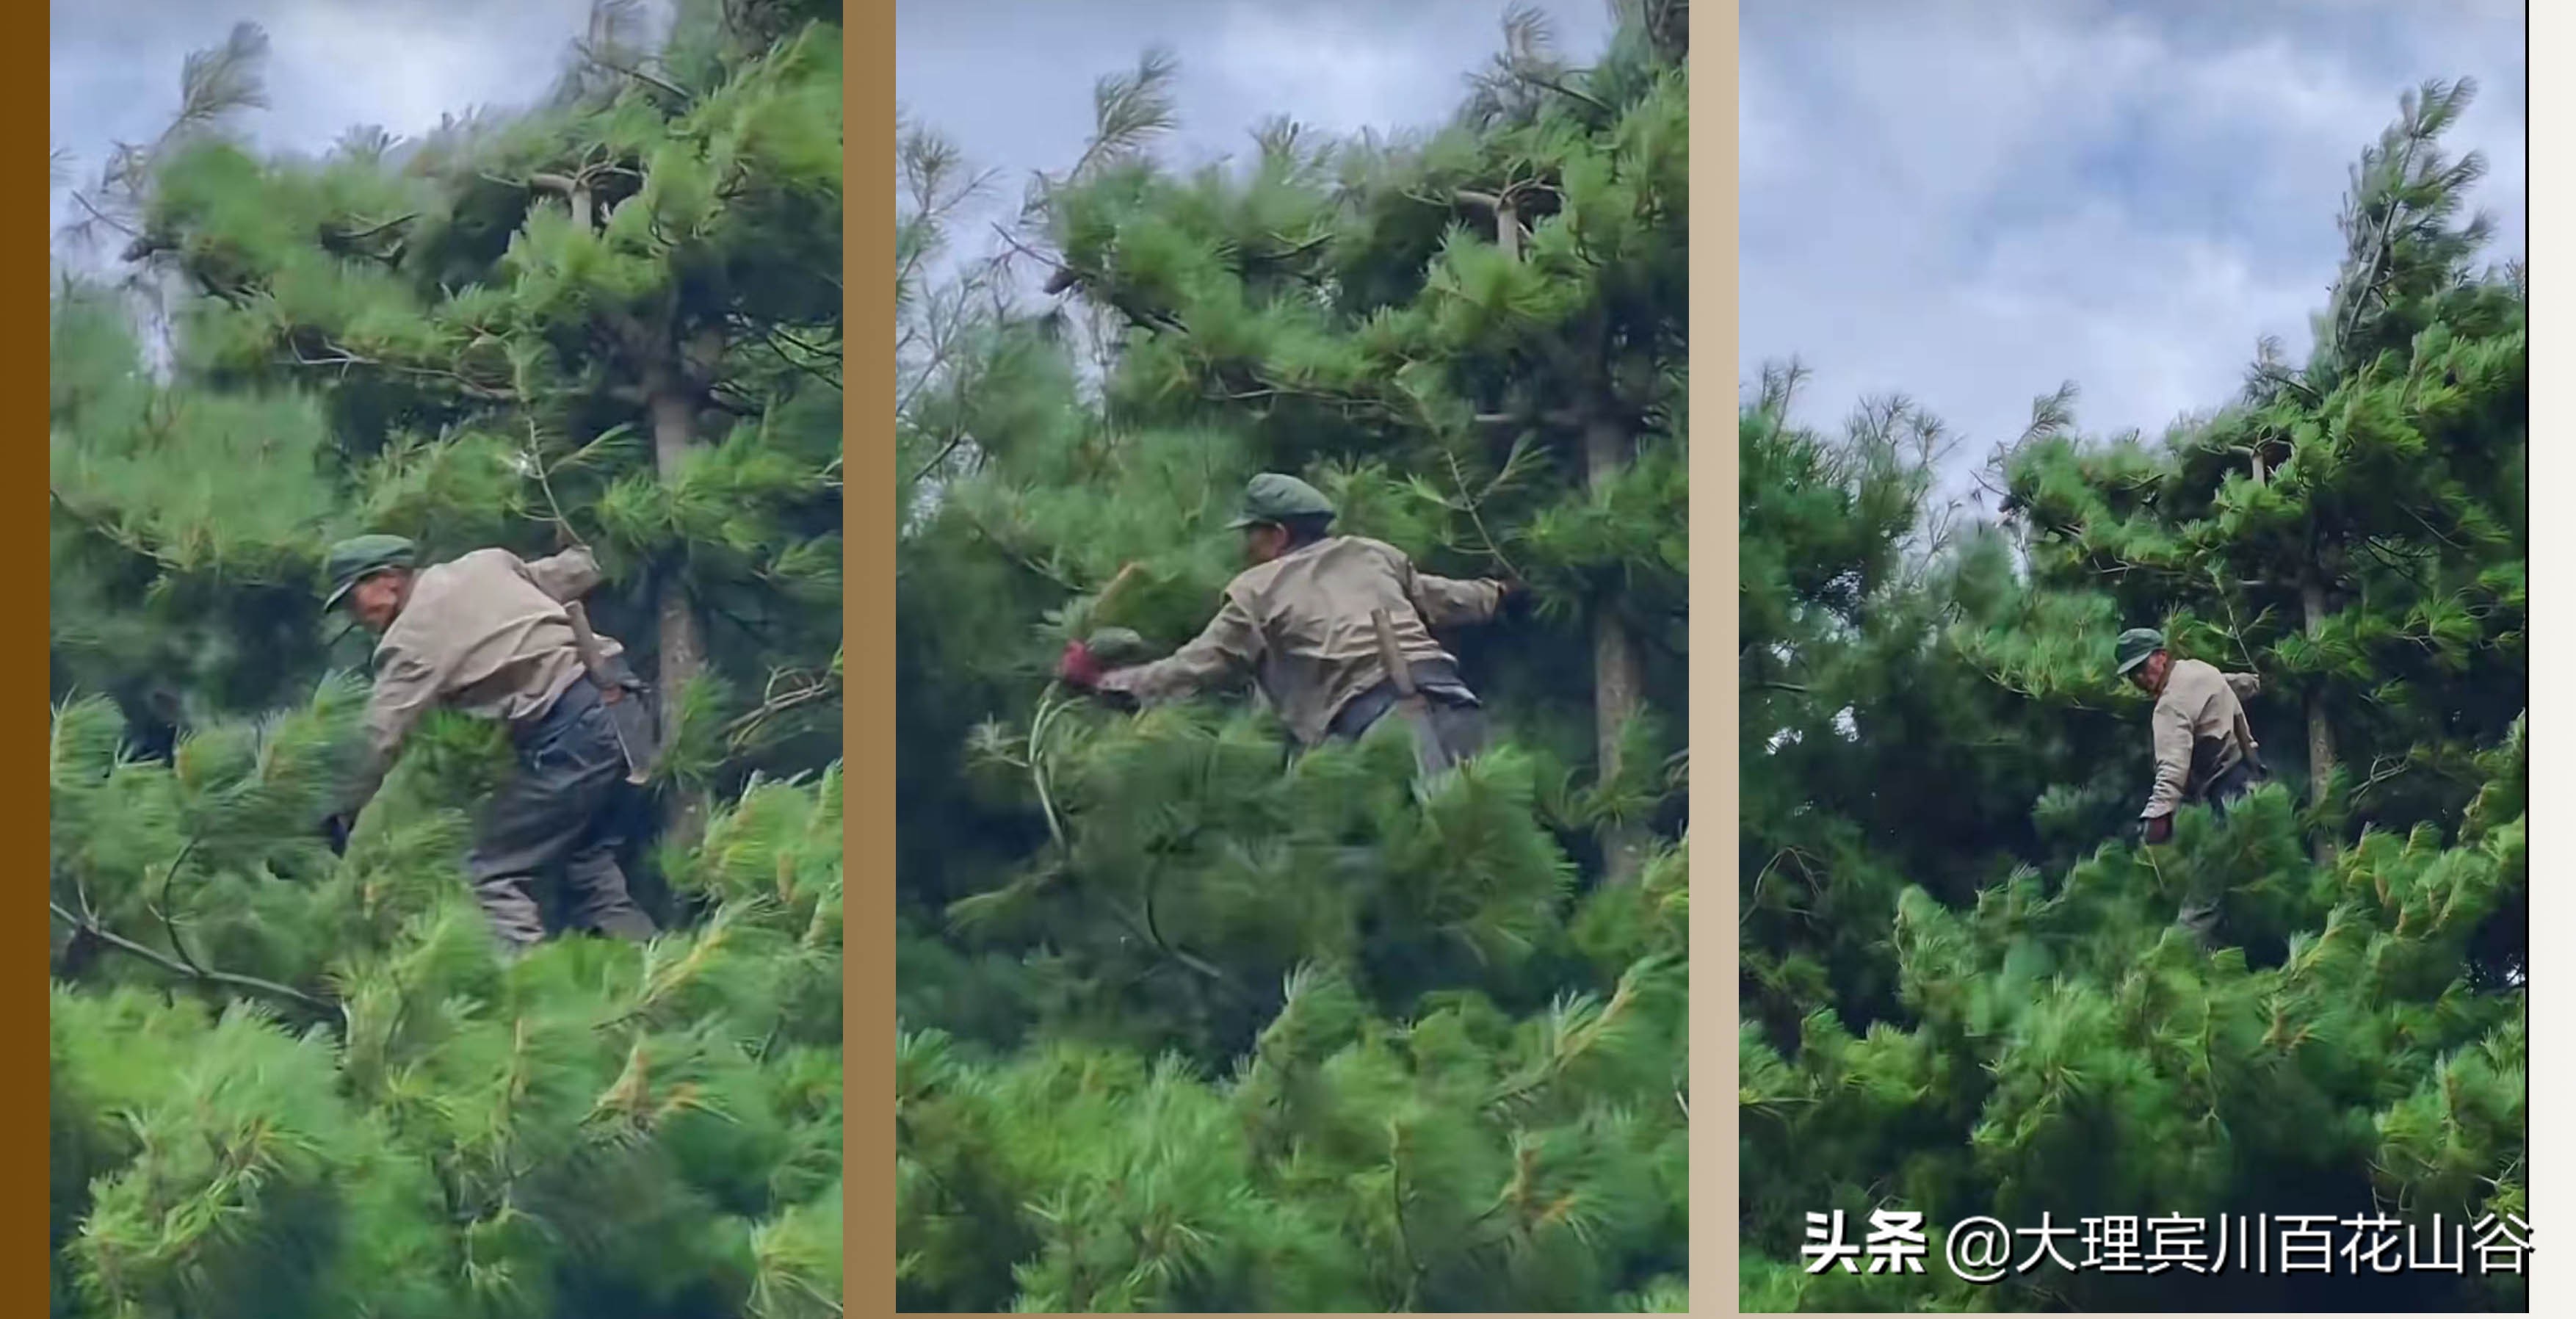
(1299, 621)
(2204, 752)
(488, 634)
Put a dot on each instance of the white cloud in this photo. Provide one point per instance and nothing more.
(115, 67)
(404, 69)
(1343, 71)
(1971, 203)
(1010, 81)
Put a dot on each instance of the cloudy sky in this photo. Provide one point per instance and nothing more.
(1010, 81)
(332, 65)
(1966, 201)
(1972, 201)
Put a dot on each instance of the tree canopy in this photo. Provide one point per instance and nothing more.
(291, 1083)
(1190, 1023)
(1963, 992)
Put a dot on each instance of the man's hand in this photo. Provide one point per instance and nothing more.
(2158, 831)
(1078, 668)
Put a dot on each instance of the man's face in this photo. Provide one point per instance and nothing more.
(1264, 542)
(2150, 676)
(379, 599)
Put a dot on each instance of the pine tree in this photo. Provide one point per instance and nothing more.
(284, 1086)
(532, 328)
(1961, 1000)
(1493, 316)
(287, 1083)
(1192, 1023)
(2348, 527)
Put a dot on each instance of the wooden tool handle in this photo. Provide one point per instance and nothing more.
(1126, 574)
(586, 643)
(1397, 671)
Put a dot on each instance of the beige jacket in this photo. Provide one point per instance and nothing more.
(2195, 724)
(1300, 626)
(485, 634)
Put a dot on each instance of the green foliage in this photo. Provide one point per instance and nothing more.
(290, 1083)
(614, 318)
(1190, 1022)
(1963, 996)
(349, 1079)
(1462, 1159)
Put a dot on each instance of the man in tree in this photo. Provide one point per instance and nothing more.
(488, 634)
(1299, 620)
(2204, 752)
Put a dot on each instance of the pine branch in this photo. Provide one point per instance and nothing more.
(161, 906)
(342, 359)
(682, 94)
(771, 337)
(271, 988)
(1545, 82)
(82, 200)
(775, 703)
(1128, 110)
(371, 231)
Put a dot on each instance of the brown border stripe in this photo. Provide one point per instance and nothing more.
(24, 1106)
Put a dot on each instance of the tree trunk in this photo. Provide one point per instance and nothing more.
(2321, 745)
(682, 648)
(1618, 683)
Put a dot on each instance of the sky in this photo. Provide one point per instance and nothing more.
(1010, 81)
(332, 65)
(1970, 202)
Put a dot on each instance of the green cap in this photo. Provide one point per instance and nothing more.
(2134, 646)
(353, 561)
(1273, 497)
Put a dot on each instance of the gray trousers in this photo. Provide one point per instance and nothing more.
(1457, 718)
(557, 820)
(2201, 907)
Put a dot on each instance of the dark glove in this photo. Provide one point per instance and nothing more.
(335, 831)
(1078, 668)
(1515, 603)
(2158, 831)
